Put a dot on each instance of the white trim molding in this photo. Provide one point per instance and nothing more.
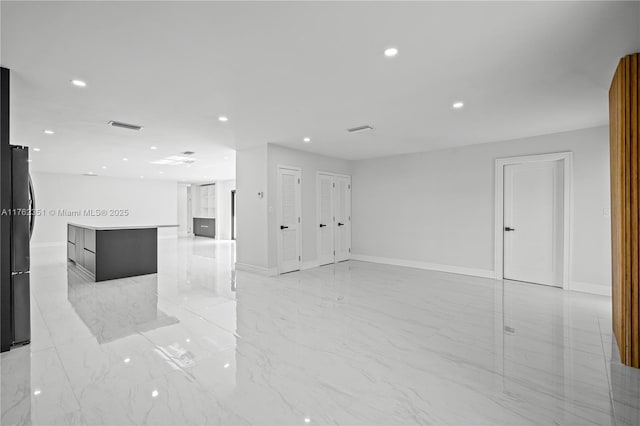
(591, 288)
(567, 159)
(260, 270)
(482, 273)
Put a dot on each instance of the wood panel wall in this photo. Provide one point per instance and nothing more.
(624, 107)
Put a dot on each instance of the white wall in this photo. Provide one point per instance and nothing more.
(183, 229)
(438, 207)
(310, 165)
(149, 202)
(251, 178)
(223, 208)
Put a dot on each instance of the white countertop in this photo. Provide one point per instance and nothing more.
(116, 227)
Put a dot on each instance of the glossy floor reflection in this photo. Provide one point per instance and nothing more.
(355, 343)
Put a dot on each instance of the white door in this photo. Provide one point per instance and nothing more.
(325, 233)
(533, 222)
(288, 218)
(342, 211)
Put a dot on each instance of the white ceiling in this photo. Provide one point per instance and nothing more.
(283, 71)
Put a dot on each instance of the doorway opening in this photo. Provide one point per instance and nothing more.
(533, 219)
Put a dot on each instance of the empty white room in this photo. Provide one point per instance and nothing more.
(319, 212)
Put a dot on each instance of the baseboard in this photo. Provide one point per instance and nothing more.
(269, 272)
(483, 273)
(602, 290)
(309, 264)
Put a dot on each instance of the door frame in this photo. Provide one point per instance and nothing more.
(233, 214)
(500, 163)
(279, 217)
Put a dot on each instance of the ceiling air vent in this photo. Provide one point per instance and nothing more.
(124, 125)
(360, 129)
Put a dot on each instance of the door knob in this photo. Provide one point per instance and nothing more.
(283, 227)
(322, 225)
(340, 224)
(507, 229)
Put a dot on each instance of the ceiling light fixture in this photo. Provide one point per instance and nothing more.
(458, 105)
(226, 158)
(390, 52)
(141, 177)
(124, 125)
(306, 140)
(125, 159)
(223, 118)
(78, 83)
(154, 147)
(104, 167)
(36, 149)
(49, 132)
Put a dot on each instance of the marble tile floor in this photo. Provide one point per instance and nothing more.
(355, 343)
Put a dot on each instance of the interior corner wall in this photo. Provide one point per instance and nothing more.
(437, 208)
(251, 217)
(310, 164)
(223, 208)
(183, 229)
(150, 202)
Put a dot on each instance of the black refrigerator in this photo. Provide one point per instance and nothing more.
(16, 226)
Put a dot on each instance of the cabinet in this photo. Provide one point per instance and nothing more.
(81, 247)
(107, 253)
(204, 227)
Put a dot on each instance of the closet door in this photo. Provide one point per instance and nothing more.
(342, 209)
(288, 218)
(325, 217)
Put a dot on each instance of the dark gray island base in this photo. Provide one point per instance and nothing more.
(107, 253)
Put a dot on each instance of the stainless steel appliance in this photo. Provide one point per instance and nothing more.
(21, 230)
(17, 203)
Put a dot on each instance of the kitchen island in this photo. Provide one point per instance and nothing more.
(110, 252)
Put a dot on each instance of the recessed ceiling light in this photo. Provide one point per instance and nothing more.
(458, 105)
(104, 167)
(223, 118)
(154, 393)
(36, 149)
(49, 132)
(390, 52)
(79, 83)
(226, 158)
(125, 159)
(161, 173)
(154, 147)
(306, 140)
(227, 365)
(141, 177)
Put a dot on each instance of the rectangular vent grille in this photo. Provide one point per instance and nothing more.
(124, 125)
(360, 129)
